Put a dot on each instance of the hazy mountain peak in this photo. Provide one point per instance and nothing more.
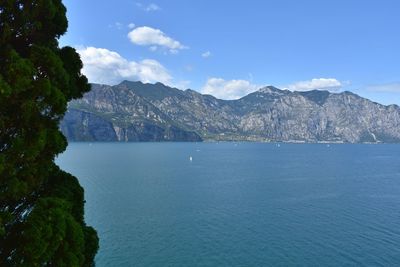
(270, 89)
(130, 83)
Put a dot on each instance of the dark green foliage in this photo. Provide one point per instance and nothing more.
(41, 207)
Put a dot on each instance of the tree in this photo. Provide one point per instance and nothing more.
(41, 206)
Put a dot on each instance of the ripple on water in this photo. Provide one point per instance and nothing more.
(246, 205)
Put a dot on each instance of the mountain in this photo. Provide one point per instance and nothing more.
(135, 111)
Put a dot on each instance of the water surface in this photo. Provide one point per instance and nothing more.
(241, 204)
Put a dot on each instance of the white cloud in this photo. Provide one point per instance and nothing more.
(147, 36)
(329, 84)
(184, 84)
(108, 67)
(149, 7)
(206, 54)
(228, 89)
(118, 25)
(131, 25)
(152, 7)
(250, 76)
(388, 87)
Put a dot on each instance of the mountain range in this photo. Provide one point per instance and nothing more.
(136, 111)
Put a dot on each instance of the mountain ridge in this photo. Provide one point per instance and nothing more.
(136, 111)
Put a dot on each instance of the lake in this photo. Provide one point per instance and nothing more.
(241, 204)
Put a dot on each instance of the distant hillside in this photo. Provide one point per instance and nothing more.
(133, 111)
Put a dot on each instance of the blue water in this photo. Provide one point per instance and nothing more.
(244, 204)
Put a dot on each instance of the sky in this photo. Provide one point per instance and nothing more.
(231, 48)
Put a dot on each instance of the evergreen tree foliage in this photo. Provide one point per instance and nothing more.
(41, 206)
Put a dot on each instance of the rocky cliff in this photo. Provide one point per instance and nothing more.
(133, 111)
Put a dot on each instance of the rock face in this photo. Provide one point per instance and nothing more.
(133, 111)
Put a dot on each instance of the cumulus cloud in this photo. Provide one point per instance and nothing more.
(103, 66)
(329, 84)
(228, 89)
(131, 25)
(147, 36)
(206, 54)
(388, 87)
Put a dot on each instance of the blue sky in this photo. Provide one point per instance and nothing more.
(230, 48)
